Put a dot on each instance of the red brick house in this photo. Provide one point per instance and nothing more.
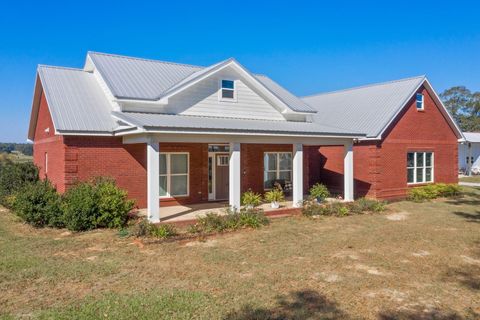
(172, 133)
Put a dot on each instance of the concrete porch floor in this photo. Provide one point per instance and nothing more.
(193, 211)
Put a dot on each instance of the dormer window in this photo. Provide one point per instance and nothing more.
(420, 101)
(227, 90)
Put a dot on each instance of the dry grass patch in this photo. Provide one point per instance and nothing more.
(357, 267)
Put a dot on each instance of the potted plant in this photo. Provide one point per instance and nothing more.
(274, 196)
(251, 199)
(319, 192)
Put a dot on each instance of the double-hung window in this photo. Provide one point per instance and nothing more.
(227, 90)
(419, 167)
(276, 166)
(174, 174)
(420, 101)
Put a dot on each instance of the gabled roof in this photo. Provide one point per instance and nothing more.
(141, 79)
(366, 109)
(75, 101)
(472, 137)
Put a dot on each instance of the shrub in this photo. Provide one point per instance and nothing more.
(433, 191)
(13, 177)
(80, 207)
(251, 199)
(274, 195)
(319, 191)
(245, 218)
(39, 204)
(96, 204)
(141, 229)
(364, 204)
(162, 231)
(113, 205)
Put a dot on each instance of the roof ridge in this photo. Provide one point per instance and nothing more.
(59, 67)
(145, 59)
(364, 86)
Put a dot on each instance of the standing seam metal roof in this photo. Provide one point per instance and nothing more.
(75, 100)
(142, 79)
(366, 109)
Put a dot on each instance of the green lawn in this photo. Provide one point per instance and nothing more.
(417, 260)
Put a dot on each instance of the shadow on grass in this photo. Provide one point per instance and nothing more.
(421, 314)
(467, 276)
(305, 304)
(470, 217)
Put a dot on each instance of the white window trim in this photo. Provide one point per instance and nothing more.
(168, 174)
(277, 170)
(424, 167)
(423, 101)
(219, 160)
(220, 88)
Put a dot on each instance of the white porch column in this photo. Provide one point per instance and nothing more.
(348, 171)
(153, 180)
(297, 174)
(234, 176)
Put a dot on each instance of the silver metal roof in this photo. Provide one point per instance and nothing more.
(472, 136)
(142, 79)
(366, 109)
(151, 121)
(75, 100)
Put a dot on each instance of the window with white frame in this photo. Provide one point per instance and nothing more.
(227, 90)
(420, 101)
(419, 167)
(174, 174)
(276, 166)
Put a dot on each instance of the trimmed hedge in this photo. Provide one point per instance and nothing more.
(433, 191)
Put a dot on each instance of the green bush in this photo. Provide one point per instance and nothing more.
(113, 204)
(340, 209)
(251, 199)
(245, 218)
(319, 191)
(13, 177)
(80, 207)
(39, 204)
(433, 191)
(96, 204)
(162, 231)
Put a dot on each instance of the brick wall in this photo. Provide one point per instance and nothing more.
(380, 167)
(46, 142)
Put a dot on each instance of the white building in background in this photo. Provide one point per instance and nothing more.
(469, 153)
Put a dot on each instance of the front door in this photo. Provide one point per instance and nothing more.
(221, 176)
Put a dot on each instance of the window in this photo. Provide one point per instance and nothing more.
(276, 166)
(420, 101)
(419, 167)
(174, 174)
(222, 160)
(228, 89)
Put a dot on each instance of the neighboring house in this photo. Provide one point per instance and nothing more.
(177, 134)
(469, 153)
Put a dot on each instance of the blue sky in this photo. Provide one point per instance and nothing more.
(308, 47)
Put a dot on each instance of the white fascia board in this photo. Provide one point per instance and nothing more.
(446, 112)
(37, 92)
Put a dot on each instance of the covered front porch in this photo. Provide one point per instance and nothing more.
(245, 161)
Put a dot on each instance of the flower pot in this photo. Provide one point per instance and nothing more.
(319, 199)
(275, 205)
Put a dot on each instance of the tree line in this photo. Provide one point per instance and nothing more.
(8, 147)
(464, 105)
